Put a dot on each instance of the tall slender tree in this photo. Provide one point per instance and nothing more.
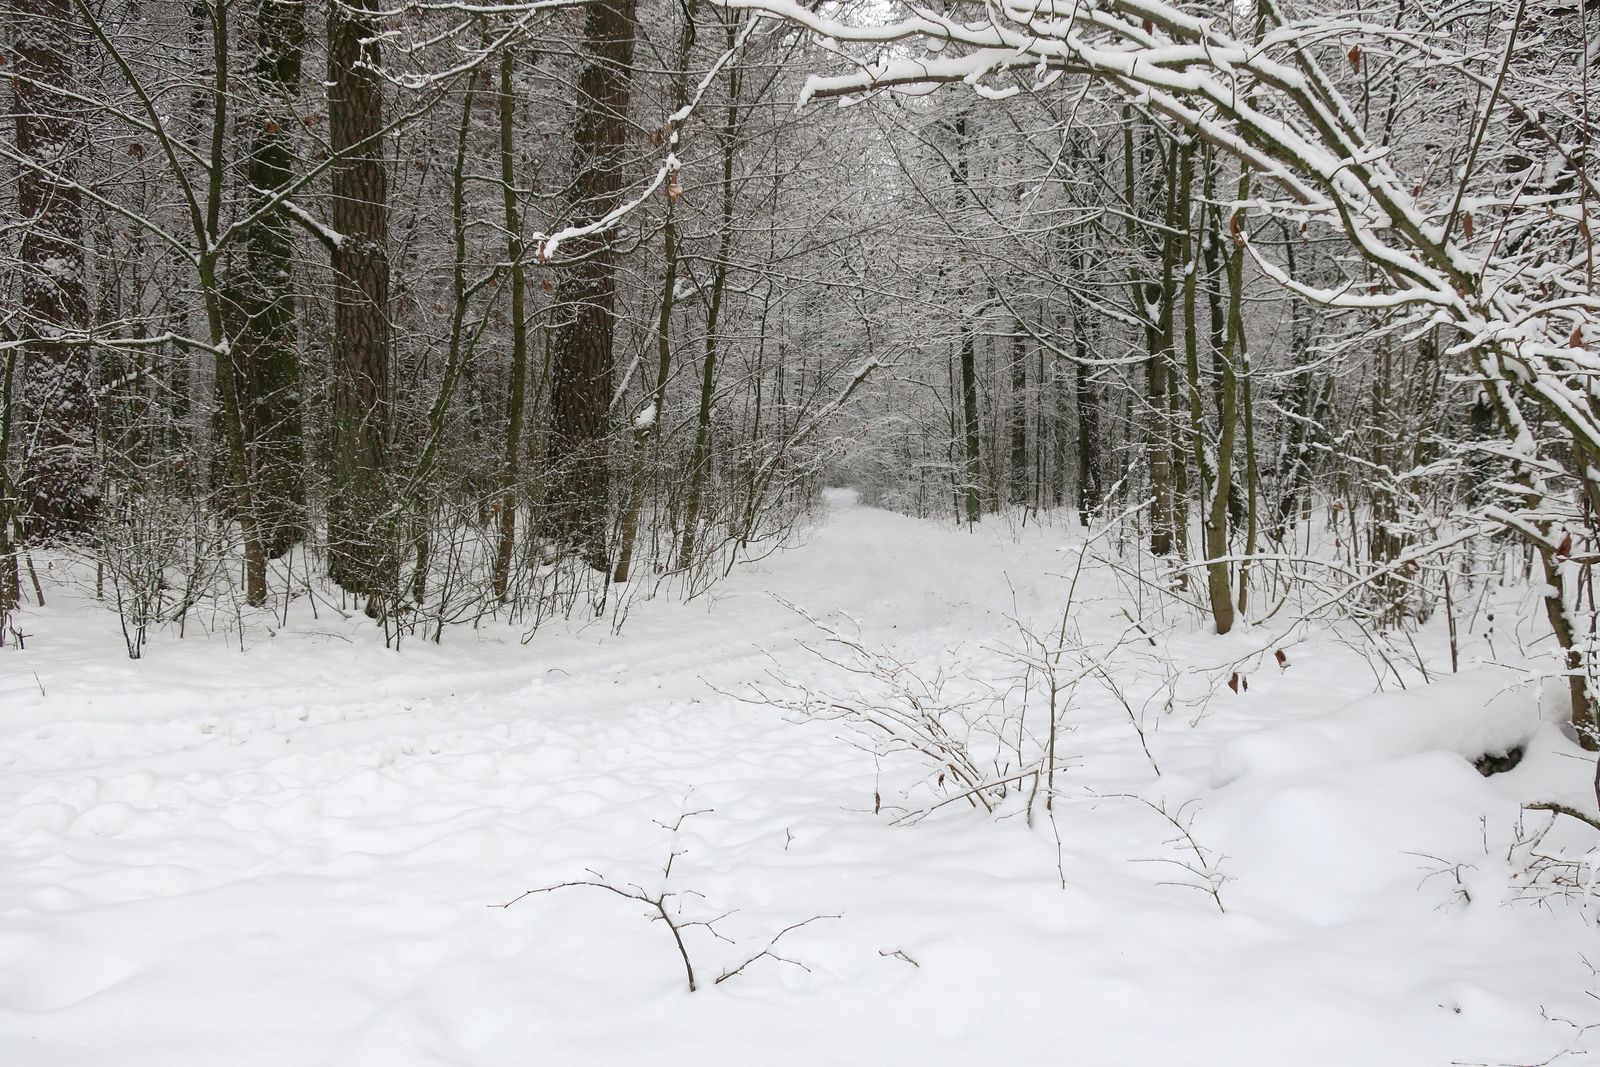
(970, 440)
(517, 386)
(700, 456)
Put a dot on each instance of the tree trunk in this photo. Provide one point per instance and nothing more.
(361, 549)
(10, 574)
(970, 435)
(260, 297)
(584, 371)
(57, 489)
(1240, 364)
(1152, 300)
(1212, 461)
(1018, 482)
(972, 473)
(1089, 490)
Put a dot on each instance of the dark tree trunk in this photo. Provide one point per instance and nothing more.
(361, 549)
(57, 488)
(261, 303)
(583, 372)
(970, 438)
(1019, 487)
(10, 575)
(1084, 400)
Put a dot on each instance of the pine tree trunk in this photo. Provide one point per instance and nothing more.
(361, 549)
(584, 371)
(57, 489)
(261, 299)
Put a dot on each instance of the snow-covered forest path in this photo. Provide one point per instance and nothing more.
(288, 856)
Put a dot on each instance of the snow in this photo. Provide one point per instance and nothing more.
(330, 237)
(289, 855)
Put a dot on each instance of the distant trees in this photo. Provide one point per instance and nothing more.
(289, 329)
(1420, 233)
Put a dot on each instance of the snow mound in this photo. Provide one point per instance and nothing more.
(1450, 715)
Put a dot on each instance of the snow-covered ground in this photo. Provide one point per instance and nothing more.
(290, 855)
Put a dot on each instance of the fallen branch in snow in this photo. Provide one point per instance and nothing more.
(1562, 809)
(658, 902)
(676, 923)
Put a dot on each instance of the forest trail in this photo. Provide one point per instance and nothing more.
(288, 856)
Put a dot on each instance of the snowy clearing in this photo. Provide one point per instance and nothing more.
(289, 855)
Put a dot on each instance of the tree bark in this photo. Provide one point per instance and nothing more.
(970, 436)
(57, 490)
(361, 549)
(1239, 365)
(1152, 302)
(1019, 487)
(1087, 406)
(10, 573)
(261, 296)
(584, 371)
(1212, 459)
